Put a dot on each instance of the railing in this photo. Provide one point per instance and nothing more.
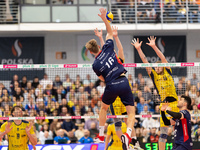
(65, 11)
(156, 12)
(9, 13)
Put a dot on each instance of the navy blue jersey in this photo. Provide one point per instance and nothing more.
(182, 132)
(107, 63)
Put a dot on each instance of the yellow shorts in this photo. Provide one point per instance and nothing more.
(117, 108)
(173, 106)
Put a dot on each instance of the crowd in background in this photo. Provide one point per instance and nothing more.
(82, 97)
(125, 11)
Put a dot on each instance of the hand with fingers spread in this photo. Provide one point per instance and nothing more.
(8, 127)
(28, 128)
(98, 33)
(114, 29)
(152, 41)
(103, 13)
(136, 43)
(164, 106)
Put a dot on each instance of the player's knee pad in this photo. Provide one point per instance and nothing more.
(163, 134)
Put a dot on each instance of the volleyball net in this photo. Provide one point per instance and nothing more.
(41, 89)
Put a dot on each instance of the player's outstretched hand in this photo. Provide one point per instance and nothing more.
(103, 13)
(114, 29)
(152, 41)
(164, 106)
(136, 43)
(34, 147)
(8, 127)
(98, 33)
(28, 128)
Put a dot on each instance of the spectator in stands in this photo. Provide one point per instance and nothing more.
(59, 95)
(60, 136)
(130, 17)
(72, 138)
(86, 138)
(193, 92)
(29, 86)
(195, 120)
(39, 90)
(193, 11)
(139, 95)
(157, 110)
(70, 94)
(57, 83)
(52, 126)
(101, 88)
(144, 112)
(194, 80)
(30, 105)
(181, 14)
(68, 125)
(180, 90)
(16, 85)
(23, 83)
(197, 99)
(197, 135)
(35, 82)
(153, 137)
(91, 121)
(88, 89)
(170, 11)
(15, 79)
(142, 84)
(149, 122)
(170, 137)
(93, 130)
(45, 81)
(45, 134)
(150, 12)
(65, 104)
(156, 97)
(94, 100)
(5, 100)
(18, 95)
(98, 106)
(80, 132)
(87, 81)
(141, 104)
(67, 83)
(81, 91)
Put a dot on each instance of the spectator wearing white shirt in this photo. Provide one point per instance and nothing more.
(45, 81)
(144, 112)
(101, 88)
(80, 132)
(149, 123)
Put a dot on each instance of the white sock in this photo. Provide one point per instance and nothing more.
(129, 131)
(134, 137)
(101, 130)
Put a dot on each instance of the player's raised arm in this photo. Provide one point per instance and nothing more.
(5, 129)
(151, 43)
(99, 35)
(119, 45)
(31, 135)
(108, 27)
(137, 45)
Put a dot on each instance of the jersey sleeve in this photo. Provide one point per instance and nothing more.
(109, 130)
(98, 73)
(185, 113)
(3, 126)
(169, 71)
(109, 45)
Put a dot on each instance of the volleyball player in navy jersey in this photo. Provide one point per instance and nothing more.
(109, 68)
(182, 122)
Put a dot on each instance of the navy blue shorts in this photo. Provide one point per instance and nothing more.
(180, 147)
(118, 87)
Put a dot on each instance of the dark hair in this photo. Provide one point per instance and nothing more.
(13, 109)
(187, 99)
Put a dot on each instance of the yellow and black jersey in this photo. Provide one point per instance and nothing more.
(17, 137)
(115, 142)
(164, 84)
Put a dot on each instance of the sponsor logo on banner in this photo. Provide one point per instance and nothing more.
(4, 118)
(112, 116)
(86, 55)
(9, 66)
(70, 65)
(39, 117)
(76, 117)
(187, 64)
(87, 66)
(130, 65)
(146, 116)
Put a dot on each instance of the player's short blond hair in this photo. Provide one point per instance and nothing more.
(92, 46)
